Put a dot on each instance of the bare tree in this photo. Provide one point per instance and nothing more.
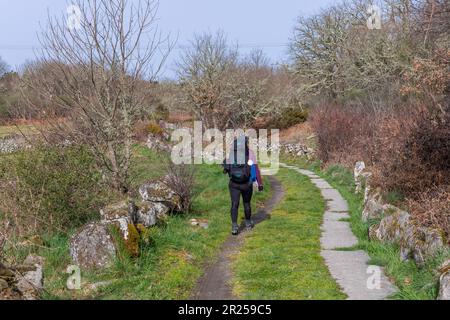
(97, 74)
(204, 76)
(221, 89)
(250, 89)
(338, 57)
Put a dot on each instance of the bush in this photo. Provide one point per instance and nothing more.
(417, 158)
(289, 117)
(50, 189)
(181, 179)
(144, 128)
(342, 134)
(432, 208)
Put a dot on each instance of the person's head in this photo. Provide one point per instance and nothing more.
(240, 148)
(241, 142)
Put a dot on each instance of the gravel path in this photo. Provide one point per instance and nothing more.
(350, 268)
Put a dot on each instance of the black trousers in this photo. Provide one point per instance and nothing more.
(236, 190)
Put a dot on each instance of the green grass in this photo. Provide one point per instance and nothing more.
(414, 283)
(280, 258)
(171, 266)
(11, 130)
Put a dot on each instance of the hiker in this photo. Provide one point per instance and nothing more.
(243, 171)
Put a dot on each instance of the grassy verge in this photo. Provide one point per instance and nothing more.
(414, 283)
(280, 258)
(171, 265)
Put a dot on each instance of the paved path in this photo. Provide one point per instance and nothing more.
(215, 282)
(349, 268)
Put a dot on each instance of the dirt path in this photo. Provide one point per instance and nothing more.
(215, 282)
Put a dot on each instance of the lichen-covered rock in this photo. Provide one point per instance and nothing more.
(393, 227)
(426, 243)
(444, 281)
(122, 213)
(31, 283)
(373, 207)
(149, 213)
(158, 191)
(93, 246)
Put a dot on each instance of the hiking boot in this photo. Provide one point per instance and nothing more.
(249, 224)
(235, 229)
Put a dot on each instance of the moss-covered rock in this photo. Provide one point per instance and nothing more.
(133, 242)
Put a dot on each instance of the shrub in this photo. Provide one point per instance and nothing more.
(144, 128)
(417, 157)
(432, 208)
(50, 189)
(181, 179)
(289, 117)
(342, 134)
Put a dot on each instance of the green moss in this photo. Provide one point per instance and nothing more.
(132, 243)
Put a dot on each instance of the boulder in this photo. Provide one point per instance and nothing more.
(158, 143)
(424, 244)
(158, 191)
(444, 281)
(93, 246)
(393, 227)
(122, 214)
(31, 283)
(373, 207)
(149, 213)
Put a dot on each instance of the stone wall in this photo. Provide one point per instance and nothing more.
(298, 150)
(393, 225)
(11, 144)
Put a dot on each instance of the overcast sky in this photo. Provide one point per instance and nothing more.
(252, 23)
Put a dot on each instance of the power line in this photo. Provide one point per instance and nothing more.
(178, 47)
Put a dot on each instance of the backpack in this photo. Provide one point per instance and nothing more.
(240, 172)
